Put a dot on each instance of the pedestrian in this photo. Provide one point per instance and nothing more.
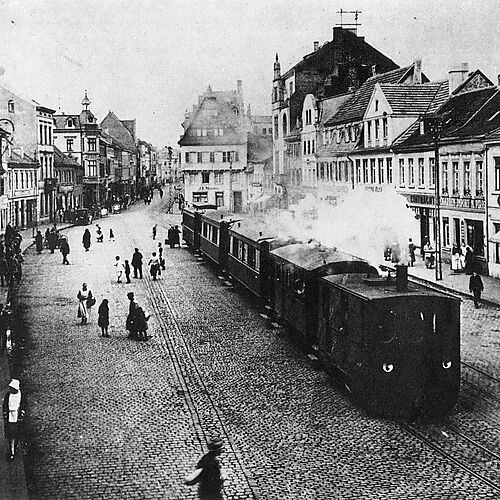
(119, 268)
(161, 193)
(463, 253)
(5, 321)
(154, 232)
(160, 256)
(103, 317)
(4, 270)
(17, 267)
(64, 249)
(83, 296)
(177, 236)
(111, 235)
(86, 239)
(455, 258)
(47, 237)
(154, 266)
(52, 240)
(100, 236)
(130, 322)
(137, 263)
(127, 271)
(411, 252)
(39, 242)
(13, 415)
(170, 236)
(141, 323)
(469, 260)
(429, 255)
(476, 287)
(208, 474)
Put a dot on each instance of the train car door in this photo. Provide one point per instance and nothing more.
(237, 201)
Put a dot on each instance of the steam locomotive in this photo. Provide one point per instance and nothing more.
(394, 344)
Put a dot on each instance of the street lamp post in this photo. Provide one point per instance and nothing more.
(436, 130)
(231, 186)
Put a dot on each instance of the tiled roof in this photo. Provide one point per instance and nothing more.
(16, 159)
(470, 114)
(410, 99)
(337, 149)
(113, 127)
(355, 107)
(62, 160)
(331, 105)
(61, 120)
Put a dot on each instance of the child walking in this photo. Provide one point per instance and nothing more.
(103, 318)
(127, 271)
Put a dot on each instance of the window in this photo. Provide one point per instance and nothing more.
(291, 88)
(401, 172)
(421, 172)
(10, 106)
(201, 198)
(365, 171)
(198, 132)
(50, 135)
(384, 128)
(373, 171)
(381, 170)
(455, 178)
(284, 126)
(304, 147)
(276, 126)
(308, 116)
(308, 147)
(467, 184)
(444, 169)
(91, 168)
(92, 144)
(219, 199)
(358, 171)
(186, 157)
(446, 231)
(432, 171)
(192, 177)
(199, 157)
(369, 131)
(497, 173)
(226, 157)
(313, 146)
(264, 131)
(205, 177)
(204, 132)
(411, 172)
(479, 178)
(70, 123)
(376, 104)
(69, 144)
(377, 129)
(41, 133)
(388, 162)
(212, 157)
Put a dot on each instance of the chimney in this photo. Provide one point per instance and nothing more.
(458, 76)
(417, 71)
(401, 277)
(374, 69)
(316, 46)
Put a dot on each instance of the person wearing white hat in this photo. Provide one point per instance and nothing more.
(13, 414)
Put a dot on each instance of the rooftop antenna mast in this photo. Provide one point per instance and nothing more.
(352, 27)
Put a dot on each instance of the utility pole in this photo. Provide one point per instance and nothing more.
(231, 186)
(436, 132)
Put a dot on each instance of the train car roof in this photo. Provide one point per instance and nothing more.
(373, 288)
(312, 257)
(219, 215)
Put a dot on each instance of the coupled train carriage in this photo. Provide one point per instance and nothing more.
(394, 344)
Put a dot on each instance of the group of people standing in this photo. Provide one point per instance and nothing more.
(11, 258)
(462, 258)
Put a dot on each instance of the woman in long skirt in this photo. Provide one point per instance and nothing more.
(82, 296)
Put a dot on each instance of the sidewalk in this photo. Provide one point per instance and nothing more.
(13, 483)
(456, 283)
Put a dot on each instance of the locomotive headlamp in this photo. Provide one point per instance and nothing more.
(387, 367)
(446, 364)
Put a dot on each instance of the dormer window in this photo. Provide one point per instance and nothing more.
(70, 123)
(376, 104)
(10, 106)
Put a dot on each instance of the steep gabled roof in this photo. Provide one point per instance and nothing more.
(62, 160)
(260, 148)
(410, 99)
(354, 109)
(114, 127)
(61, 120)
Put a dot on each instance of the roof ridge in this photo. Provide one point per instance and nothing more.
(479, 109)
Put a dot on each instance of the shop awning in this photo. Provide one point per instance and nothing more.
(495, 238)
(261, 199)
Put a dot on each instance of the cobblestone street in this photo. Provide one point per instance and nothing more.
(114, 418)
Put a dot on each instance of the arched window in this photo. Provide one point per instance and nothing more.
(10, 106)
(284, 125)
(70, 123)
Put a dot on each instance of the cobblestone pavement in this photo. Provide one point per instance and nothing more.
(112, 418)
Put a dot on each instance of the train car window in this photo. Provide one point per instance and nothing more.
(299, 286)
(386, 326)
(244, 251)
(251, 256)
(215, 235)
(257, 260)
(340, 308)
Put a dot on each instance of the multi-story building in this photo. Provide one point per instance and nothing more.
(78, 136)
(168, 165)
(335, 68)
(214, 150)
(124, 175)
(69, 175)
(145, 177)
(47, 181)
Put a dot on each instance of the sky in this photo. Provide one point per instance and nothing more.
(150, 59)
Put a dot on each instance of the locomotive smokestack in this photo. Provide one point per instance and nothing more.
(401, 277)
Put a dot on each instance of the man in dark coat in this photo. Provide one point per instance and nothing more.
(130, 322)
(65, 250)
(39, 242)
(86, 240)
(52, 240)
(137, 263)
(4, 269)
(476, 287)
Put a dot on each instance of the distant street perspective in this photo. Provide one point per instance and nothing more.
(249, 250)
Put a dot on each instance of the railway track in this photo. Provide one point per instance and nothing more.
(202, 407)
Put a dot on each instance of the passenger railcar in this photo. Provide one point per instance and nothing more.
(191, 228)
(395, 344)
(296, 270)
(214, 236)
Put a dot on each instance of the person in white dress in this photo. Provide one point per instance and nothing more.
(119, 269)
(13, 414)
